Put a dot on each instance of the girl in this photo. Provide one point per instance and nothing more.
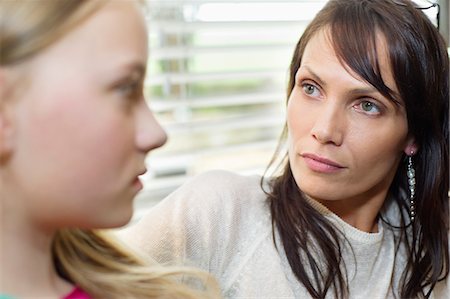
(74, 133)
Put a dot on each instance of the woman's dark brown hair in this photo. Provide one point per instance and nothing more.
(420, 66)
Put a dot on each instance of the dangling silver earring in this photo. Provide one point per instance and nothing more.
(412, 187)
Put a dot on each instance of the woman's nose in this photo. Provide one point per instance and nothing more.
(329, 125)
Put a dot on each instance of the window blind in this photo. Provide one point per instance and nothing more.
(216, 81)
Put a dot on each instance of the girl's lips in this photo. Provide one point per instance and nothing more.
(137, 184)
(320, 164)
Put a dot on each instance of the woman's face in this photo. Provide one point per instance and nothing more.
(345, 138)
(81, 126)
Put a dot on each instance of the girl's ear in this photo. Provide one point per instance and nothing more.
(411, 147)
(5, 137)
(6, 128)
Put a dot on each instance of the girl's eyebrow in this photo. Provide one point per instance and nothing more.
(136, 67)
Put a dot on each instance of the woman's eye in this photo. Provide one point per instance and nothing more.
(368, 107)
(310, 89)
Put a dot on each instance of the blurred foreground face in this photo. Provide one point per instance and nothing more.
(82, 125)
(345, 138)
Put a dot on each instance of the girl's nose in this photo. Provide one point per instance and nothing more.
(149, 133)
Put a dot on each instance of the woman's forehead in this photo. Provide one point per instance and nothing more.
(373, 57)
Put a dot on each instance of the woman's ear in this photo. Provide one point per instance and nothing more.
(411, 147)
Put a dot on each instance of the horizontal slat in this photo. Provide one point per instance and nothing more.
(162, 158)
(182, 52)
(179, 2)
(182, 27)
(164, 105)
(186, 78)
(227, 123)
(184, 162)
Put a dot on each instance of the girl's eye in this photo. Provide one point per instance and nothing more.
(131, 90)
(310, 89)
(368, 107)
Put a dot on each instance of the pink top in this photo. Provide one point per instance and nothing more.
(77, 293)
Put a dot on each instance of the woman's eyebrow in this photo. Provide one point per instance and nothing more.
(314, 76)
(363, 90)
(355, 91)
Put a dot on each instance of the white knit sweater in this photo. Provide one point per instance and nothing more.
(220, 222)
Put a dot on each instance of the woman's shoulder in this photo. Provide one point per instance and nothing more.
(212, 210)
(220, 189)
(224, 179)
(221, 182)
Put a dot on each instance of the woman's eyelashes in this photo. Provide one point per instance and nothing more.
(364, 104)
(310, 89)
(369, 107)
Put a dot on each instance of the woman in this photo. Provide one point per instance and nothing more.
(360, 207)
(74, 133)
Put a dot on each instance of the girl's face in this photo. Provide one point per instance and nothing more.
(81, 127)
(345, 138)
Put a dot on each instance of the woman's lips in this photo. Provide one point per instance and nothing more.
(320, 164)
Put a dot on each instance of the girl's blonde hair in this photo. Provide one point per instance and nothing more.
(92, 260)
(104, 268)
(28, 27)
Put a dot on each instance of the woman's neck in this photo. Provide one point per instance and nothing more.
(361, 212)
(26, 260)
